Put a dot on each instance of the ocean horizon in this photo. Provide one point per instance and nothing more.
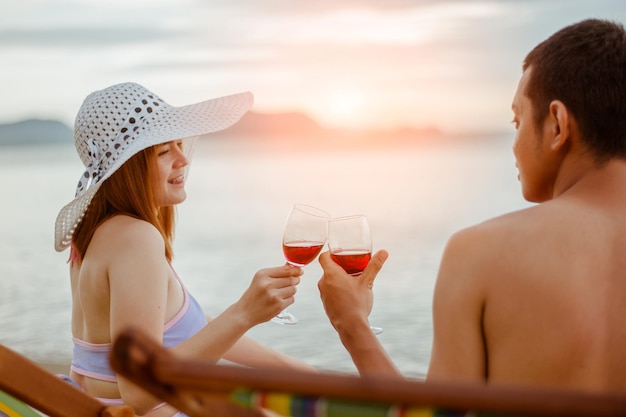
(240, 191)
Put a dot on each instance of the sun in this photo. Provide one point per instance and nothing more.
(344, 107)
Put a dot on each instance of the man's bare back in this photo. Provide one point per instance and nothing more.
(545, 286)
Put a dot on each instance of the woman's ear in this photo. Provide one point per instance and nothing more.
(559, 118)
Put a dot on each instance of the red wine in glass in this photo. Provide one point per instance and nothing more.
(352, 261)
(300, 253)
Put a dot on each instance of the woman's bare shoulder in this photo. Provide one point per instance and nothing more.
(121, 233)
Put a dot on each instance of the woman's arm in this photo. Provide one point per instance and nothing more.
(246, 351)
(271, 291)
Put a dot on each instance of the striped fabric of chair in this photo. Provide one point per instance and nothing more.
(11, 407)
(301, 406)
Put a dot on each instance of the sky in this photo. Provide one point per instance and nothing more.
(451, 65)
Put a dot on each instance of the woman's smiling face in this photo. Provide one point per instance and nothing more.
(171, 163)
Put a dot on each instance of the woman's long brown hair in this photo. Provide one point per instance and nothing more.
(129, 191)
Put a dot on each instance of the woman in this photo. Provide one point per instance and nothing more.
(120, 227)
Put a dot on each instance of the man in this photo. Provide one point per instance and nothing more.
(536, 296)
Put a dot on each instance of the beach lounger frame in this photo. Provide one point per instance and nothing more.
(201, 388)
(25, 386)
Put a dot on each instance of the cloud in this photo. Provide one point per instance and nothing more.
(87, 23)
(85, 37)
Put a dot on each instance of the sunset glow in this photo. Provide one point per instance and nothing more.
(345, 106)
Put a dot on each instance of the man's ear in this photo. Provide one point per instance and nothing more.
(559, 119)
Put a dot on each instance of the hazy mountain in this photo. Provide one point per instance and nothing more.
(34, 131)
(252, 125)
(275, 124)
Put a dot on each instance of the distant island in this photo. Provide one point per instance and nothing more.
(293, 126)
(35, 131)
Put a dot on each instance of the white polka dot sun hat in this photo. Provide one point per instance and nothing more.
(116, 123)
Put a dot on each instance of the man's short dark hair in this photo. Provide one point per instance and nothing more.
(584, 66)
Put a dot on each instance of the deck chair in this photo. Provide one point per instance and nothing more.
(200, 388)
(26, 387)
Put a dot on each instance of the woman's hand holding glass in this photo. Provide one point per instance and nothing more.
(271, 291)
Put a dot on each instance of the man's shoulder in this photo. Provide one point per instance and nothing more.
(516, 232)
(510, 222)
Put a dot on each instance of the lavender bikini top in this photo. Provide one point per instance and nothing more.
(92, 359)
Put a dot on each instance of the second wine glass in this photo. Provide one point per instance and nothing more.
(304, 237)
(350, 245)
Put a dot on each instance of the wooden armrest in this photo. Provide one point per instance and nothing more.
(189, 384)
(31, 384)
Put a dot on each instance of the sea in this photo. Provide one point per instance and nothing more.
(240, 190)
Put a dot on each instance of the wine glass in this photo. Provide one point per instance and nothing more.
(350, 245)
(303, 238)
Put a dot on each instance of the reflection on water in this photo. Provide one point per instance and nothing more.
(239, 194)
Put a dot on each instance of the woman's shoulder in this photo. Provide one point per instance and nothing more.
(123, 231)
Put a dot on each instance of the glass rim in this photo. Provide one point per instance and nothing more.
(312, 210)
(350, 217)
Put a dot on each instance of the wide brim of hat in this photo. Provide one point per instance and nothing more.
(194, 120)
